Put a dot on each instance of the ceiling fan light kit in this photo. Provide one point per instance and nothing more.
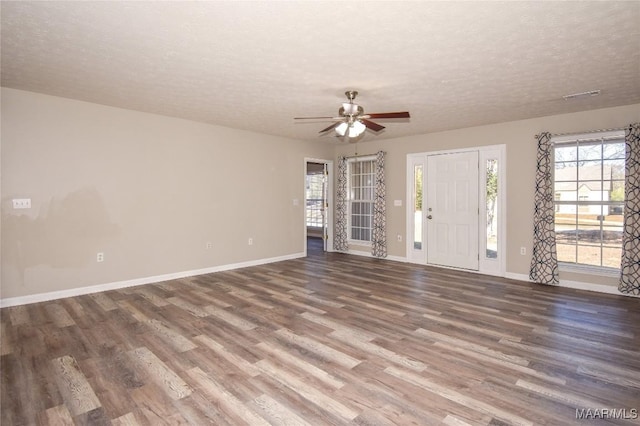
(352, 121)
(351, 130)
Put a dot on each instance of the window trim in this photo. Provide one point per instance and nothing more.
(569, 139)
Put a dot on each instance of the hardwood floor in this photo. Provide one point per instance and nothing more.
(329, 339)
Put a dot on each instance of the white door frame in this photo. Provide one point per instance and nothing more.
(329, 209)
(486, 265)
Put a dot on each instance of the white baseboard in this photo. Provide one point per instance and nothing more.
(43, 297)
(368, 254)
(600, 288)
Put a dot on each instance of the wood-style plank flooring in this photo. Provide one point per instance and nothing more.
(328, 339)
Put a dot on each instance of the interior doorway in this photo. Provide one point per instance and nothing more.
(318, 217)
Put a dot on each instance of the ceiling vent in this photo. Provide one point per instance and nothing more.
(581, 95)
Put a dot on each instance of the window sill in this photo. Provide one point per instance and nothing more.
(359, 243)
(588, 270)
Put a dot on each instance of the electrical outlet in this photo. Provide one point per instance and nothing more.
(523, 251)
(21, 203)
(208, 245)
(250, 241)
(100, 257)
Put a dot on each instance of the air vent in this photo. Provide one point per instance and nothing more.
(581, 95)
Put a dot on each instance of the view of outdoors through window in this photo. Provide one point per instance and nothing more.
(417, 207)
(361, 195)
(315, 192)
(589, 200)
(492, 208)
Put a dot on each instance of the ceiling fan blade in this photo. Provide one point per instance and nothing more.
(403, 114)
(333, 126)
(313, 118)
(371, 125)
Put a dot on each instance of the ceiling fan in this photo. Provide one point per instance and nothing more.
(351, 121)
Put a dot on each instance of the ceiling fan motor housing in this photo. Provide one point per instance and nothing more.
(351, 109)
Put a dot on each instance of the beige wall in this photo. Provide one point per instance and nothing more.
(518, 136)
(148, 191)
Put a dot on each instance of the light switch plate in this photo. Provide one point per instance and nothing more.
(397, 203)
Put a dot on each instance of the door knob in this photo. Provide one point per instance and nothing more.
(429, 217)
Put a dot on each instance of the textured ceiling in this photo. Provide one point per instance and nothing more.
(256, 65)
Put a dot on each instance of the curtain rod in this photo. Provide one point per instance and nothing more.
(586, 131)
(363, 155)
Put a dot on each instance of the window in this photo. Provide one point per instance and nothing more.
(315, 200)
(491, 198)
(417, 206)
(589, 199)
(361, 184)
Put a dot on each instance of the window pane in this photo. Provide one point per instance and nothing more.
(611, 257)
(366, 222)
(417, 207)
(315, 197)
(590, 170)
(492, 208)
(589, 235)
(615, 150)
(589, 255)
(590, 190)
(590, 151)
(566, 172)
(616, 209)
(566, 229)
(613, 169)
(565, 191)
(566, 253)
(566, 153)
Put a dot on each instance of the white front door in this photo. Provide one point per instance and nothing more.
(451, 210)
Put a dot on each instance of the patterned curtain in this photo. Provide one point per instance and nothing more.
(630, 265)
(379, 237)
(340, 237)
(544, 260)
